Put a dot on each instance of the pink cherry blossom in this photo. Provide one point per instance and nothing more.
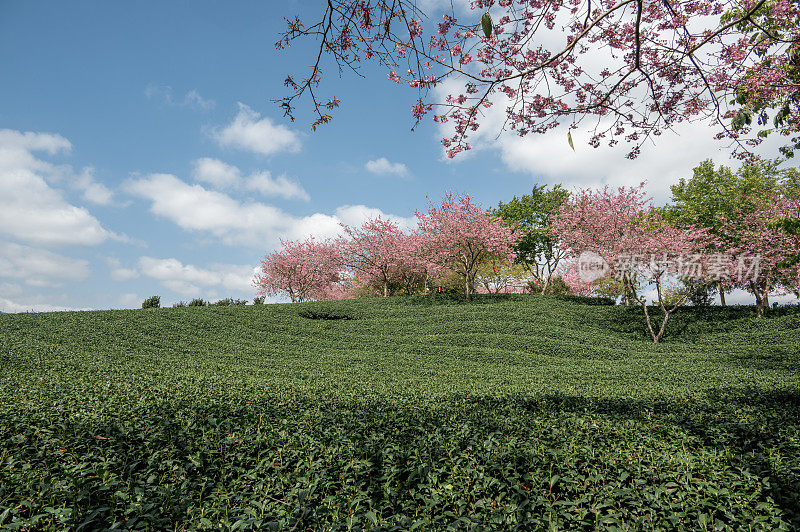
(458, 234)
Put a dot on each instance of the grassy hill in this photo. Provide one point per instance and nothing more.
(512, 411)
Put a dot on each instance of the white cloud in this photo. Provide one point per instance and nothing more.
(548, 157)
(39, 267)
(661, 163)
(191, 281)
(93, 191)
(281, 186)
(10, 290)
(222, 175)
(117, 272)
(195, 208)
(192, 99)
(216, 172)
(358, 214)
(130, 300)
(250, 132)
(382, 166)
(10, 306)
(30, 209)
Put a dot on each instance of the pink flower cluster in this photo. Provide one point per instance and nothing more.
(456, 235)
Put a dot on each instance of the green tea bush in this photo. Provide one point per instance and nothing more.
(601, 301)
(509, 412)
(228, 301)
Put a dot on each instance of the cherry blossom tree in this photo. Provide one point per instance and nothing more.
(764, 260)
(669, 253)
(609, 287)
(569, 273)
(302, 270)
(635, 243)
(381, 256)
(632, 69)
(458, 235)
(374, 252)
(602, 221)
(414, 266)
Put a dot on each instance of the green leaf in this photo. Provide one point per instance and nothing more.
(486, 22)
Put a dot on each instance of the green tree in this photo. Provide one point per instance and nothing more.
(529, 215)
(791, 188)
(152, 302)
(769, 91)
(714, 196)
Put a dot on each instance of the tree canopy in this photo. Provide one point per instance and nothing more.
(529, 215)
(631, 69)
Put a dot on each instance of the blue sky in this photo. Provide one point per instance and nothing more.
(141, 154)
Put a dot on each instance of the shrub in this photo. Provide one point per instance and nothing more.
(701, 294)
(179, 304)
(228, 301)
(198, 302)
(609, 287)
(423, 408)
(557, 286)
(674, 296)
(450, 283)
(152, 302)
(259, 300)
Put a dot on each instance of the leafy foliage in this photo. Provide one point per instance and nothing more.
(529, 215)
(228, 301)
(731, 207)
(152, 302)
(527, 412)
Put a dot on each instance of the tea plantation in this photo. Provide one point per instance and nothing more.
(518, 412)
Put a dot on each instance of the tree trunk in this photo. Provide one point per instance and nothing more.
(761, 299)
(385, 289)
(721, 293)
(466, 286)
(630, 293)
(657, 338)
(653, 335)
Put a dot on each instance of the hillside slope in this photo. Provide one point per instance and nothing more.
(509, 411)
